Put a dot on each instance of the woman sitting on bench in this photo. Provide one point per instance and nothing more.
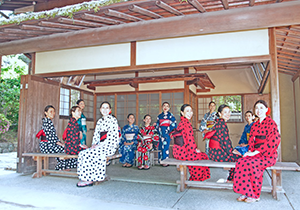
(185, 147)
(220, 145)
(52, 144)
(92, 162)
(263, 143)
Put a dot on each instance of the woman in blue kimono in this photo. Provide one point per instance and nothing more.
(82, 123)
(128, 142)
(166, 122)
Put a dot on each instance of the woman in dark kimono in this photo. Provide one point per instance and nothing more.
(220, 145)
(263, 143)
(51, 144)
(185, 147)
(72, 138)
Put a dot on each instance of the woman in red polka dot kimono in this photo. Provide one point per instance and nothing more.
(220, 145)
(263, 143)
(185, 147)
(72, 135)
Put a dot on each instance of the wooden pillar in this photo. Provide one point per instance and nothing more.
(0, 65)
(186, 89)
(274, 82)
(33, 63)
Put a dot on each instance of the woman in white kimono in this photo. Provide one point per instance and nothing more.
(92, 162)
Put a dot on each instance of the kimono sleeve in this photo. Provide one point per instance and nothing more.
(203, 125)
(243, 139)
(96, 137)
(173, 122)
(123, 138)
(136, 129)
(113, 134)
(272, 141)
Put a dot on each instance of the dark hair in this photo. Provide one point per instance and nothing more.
(105, 102)
(221, 107)
(249, 112)
(183, 108)
(73, 109)
(129, 115)
(165, 103)
(261, 102)
(47, 108)
(147, 116)
(212, 102)
(79, 101)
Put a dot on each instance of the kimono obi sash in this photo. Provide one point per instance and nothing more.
(214, 143)
(258, 141)
(103, 135)
(129, 136)
(248, 135)
(164, 122)
(147, 139)
(41, 134)
(210, 123)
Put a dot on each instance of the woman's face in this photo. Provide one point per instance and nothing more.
(261, 110)
(147, 120)
(166, 107)
(77, 113)
(249, 118)
(225, 114)
(50, 113)
(187, 112)
(212, 107)
(105, 110)
(131, 119)
(81, 105)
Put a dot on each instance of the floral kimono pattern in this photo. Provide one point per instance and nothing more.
(129, 135)
(265, 138)
(166, 122)
(147, 136)
(188, 151)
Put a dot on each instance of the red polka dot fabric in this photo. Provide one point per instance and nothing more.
(220, 146)
(188, 152)
(265, 138)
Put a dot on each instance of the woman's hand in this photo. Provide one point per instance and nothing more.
(80, 135)
(83, 146)
(205, 131)
(198, 150)
(60, 144)
(250, 154)
(127, 144)
(94, 146)
(236, 152)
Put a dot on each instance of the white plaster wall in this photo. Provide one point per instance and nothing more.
(162, 86)
(203, 47)
(232, 82)
(105, 56)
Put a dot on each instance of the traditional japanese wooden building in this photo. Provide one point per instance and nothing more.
(137, 54)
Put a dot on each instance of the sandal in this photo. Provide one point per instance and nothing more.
(141, 167)
(242, 198)
(146, 167)
(129, 165)
(251, 200)
(84, 184)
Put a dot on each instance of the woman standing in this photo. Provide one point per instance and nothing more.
(263, 143)
(52, 144)
(72, 140)
(220, 145)
(92, 161)
(166, 122)
(82, 122)
(128, 142)
(148, 139)
(185, 147)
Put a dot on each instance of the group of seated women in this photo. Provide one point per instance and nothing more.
(263, 142)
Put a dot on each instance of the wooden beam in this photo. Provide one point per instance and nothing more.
(47, 5)
(100, 19)
(296, 76)
(4, 15)
(161, 66)
(133, 54)
(143, 11)
(285, 13)
(225, 4)
(264, 79)
(19, 31)
(203, 90)
(274, 81)
(46, 29)
(255, 75)
(251, 3)
(197, 5)
(167, 7)
(59, 25)
(186, 88)
(24, 9)
(288, 48)
(79, 22)
(121, 15)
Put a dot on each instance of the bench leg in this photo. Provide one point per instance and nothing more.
(182, 177)
(46, 165)
(274, 184)
(38, 172)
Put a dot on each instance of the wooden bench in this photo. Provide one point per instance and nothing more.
(183, 182)
(43, 171)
